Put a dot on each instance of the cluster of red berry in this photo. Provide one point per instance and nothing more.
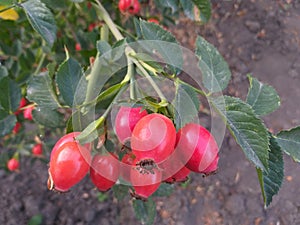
(130, 6)
(37, 150)
(155, 153)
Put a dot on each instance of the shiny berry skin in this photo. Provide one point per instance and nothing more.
(28, 112)
(198, 148)
(16, 128)
(126, 166)
(145, 181)
(77, 47)
(13, 164)
(153, 138)
(37, 149)
(180, 176)
(70, 137)
(68, 166)
(104, 171)
(173, 169)
(126, 119)
(131, 6)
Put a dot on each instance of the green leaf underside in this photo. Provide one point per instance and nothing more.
(48, 117)
(289, 141)
(247, 129)
(71, 83)
(205, 9)
(40, 90)
(164, 190)
(188, 8)
(271, 180)
(186, 104)
(7, 124)
(41, 19)
(215, 70)
(145, 211)
(172, 4)
(263, 98)
(10, 94)
(120, 191)
(170, 51)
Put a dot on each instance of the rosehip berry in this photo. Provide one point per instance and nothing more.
(104, 171)
(17, 128)
(132, 6)
(198, 148)
(28, 112)
(22, 103)
(68, 166)
(70, 137)
(145, 178)
(173, 169)
(126, 166)
(77, 47)
(153, 138)
(91, 27)
(126, 120)
(37, 149)
(13, 164)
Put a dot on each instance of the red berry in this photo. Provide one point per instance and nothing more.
(153, 20)
(173, 169)
(17, 128)
(198, 148)
(153, 138)
(126, 166)
(70, 137)
(77, 47)
(145, 178)
(89, 5)
(91, 27)
(28, 112)
(37, 149)
(126, 120)
(22, 103)
(68, 166)
(104, 171)
(132, 6)
(13, 164)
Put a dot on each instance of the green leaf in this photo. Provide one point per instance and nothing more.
(289, 141)
(205, 9)
(263, 98)
(90, 133)
(186, 105)
(36, 220)
(120, 191)
(77, 1)
(107, 96)
(188, 8)
(41, 19)
(71, 82)
(164, 190)
(164, 43)
(7, 123)
(103, 47)
(40, 90)
(10, 94)
(215, 70)
(55, 4)
(247, 129)
(271, 180)
(48, 117)
(145, 211)
(3, 72)
(172, 4)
